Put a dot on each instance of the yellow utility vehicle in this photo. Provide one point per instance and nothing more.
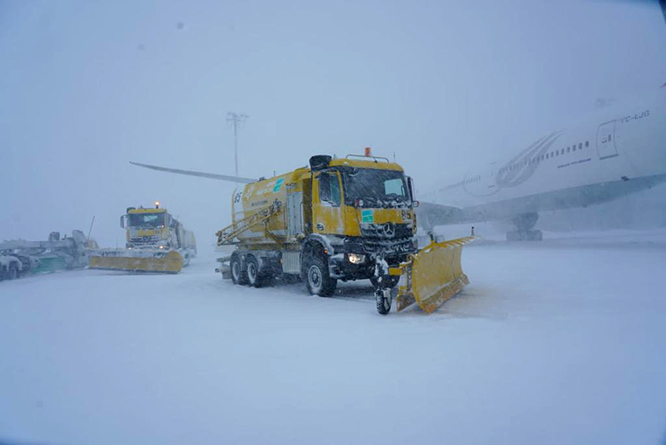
(340, 219)
(156, 242)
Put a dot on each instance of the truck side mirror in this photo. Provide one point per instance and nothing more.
(122, 221)
(319, 162)
(410, 184)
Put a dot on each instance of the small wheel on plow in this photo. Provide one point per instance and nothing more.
(384, 298)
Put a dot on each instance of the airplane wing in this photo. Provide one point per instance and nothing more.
(199, 174)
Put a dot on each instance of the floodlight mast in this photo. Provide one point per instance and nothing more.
(237, 120)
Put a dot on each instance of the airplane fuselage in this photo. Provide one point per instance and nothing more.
(616, 152)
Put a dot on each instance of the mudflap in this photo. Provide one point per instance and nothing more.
(432, 275)
(140, 260)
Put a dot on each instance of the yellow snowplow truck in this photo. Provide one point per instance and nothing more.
(340, 219)
(156, 242)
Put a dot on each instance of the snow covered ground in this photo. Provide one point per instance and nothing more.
(553, 342)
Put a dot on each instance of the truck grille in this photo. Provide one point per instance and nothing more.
(145, 240)
(387, 238)
(386, 231)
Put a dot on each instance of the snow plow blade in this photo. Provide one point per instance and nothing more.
(137, 260)
(432, 276)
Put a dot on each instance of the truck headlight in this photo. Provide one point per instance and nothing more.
(355, 258)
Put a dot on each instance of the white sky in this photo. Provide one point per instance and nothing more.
(87, 87)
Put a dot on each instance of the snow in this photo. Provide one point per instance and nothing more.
(6, 260)
(553, 342)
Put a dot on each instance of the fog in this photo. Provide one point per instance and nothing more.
(444, 86)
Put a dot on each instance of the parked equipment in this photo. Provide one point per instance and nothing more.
(20, 257)
(156, 242)
(340, 219)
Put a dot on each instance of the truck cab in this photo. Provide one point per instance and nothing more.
(339, 219)
(363, 207)
(151, 227)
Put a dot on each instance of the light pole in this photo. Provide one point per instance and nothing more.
(236, 120)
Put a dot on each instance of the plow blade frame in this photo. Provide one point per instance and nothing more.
(432, 276)
(139, 261)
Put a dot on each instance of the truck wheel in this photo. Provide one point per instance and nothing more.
(253, 276)
(318, 279)
(13, 272)
(383, 298)
(238, 275)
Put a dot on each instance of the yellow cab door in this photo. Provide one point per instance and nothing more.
(327, 209)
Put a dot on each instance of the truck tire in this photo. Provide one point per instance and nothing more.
(383, 302)
(238, 275)
(253, 275)
(13, 272)
(317, 277)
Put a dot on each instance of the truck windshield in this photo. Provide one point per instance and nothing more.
(146, 220)
(375, 188)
